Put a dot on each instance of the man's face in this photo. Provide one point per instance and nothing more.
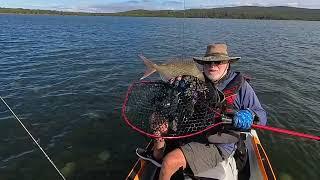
(216, 70)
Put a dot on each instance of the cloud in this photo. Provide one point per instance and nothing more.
(172, 3)
(134, 4)
(116, 7)
(294, 3)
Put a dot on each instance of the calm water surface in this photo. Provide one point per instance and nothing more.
(66, 78)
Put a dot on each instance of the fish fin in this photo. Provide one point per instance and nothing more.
(165, 78)
(150, 67)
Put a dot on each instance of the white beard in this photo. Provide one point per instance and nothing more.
(209, 76)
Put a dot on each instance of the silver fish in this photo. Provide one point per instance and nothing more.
(172, 69)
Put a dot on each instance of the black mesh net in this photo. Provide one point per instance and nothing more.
(172, 109)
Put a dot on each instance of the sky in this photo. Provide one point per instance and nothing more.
(124, 5)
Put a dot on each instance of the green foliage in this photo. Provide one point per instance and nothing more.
(47, 12)
(241, 12)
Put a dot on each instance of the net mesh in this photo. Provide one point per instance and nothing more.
(172, 109)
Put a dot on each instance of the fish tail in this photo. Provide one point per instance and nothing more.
(151, 67)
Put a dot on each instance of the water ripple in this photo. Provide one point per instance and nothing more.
(66, 77)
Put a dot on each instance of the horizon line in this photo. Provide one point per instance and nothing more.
(52, 9)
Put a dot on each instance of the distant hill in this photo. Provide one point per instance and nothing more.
(241, 12)
(48, 12)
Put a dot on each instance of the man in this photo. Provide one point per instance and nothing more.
(241, 100)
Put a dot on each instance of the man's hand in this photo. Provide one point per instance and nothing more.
(188, 85)
(175, 80)
(180, 82)
(243, 119)
(159, 143)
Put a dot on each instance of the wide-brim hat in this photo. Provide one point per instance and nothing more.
(216, 52)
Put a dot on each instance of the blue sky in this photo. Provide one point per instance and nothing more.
(124, 5)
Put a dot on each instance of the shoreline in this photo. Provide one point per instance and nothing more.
(226, 18)
(240, 12)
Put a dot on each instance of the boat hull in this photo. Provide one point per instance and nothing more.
(258, 167)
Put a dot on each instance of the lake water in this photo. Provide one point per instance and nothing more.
(66, 78)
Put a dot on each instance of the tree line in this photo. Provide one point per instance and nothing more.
(241, 12)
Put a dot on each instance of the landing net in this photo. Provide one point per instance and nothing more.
(178, 109)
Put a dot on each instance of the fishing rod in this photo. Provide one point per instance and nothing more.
(285, 131)
(165, 110)
(34, 140)
(279, 130)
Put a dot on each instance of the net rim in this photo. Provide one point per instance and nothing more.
(128, 122)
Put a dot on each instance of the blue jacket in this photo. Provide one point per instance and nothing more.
(246, 98)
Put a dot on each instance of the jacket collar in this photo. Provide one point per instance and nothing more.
(222, 83)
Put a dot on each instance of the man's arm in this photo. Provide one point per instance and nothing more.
(247, 98)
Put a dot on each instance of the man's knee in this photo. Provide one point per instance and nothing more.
(175, 159)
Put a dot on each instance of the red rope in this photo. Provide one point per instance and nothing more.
(284, 131)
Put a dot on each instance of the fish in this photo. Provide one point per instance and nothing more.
(172, 69)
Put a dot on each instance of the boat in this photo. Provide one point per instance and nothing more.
(258, 166)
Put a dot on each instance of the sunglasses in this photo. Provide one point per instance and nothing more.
(214, 62)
